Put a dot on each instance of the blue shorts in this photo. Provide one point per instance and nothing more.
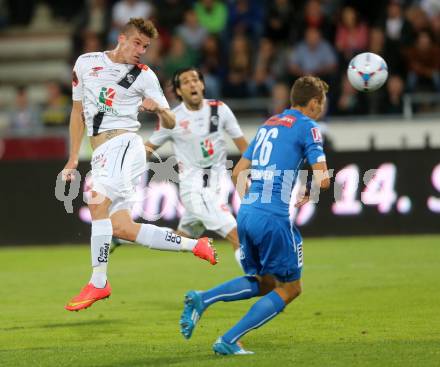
(269, 244)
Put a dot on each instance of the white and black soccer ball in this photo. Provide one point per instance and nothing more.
(367, 72)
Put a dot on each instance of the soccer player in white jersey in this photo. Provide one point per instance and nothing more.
(109, 88)
(200, 148)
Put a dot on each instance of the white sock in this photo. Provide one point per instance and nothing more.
(237, 254)
(159, 238)
(102, 231)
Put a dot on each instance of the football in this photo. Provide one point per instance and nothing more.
(367, 72)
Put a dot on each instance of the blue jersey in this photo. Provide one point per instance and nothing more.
(280, 147)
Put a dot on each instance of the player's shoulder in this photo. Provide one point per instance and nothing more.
(306, 122)
(90, 56)
(146, 71)
(214, 102)
(221, 105)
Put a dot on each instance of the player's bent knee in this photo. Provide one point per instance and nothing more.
(291, 291)
(120, 231)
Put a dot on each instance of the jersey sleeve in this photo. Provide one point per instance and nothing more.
(250, 150)
(153, 90)
(77, 84)
(231, 125)
(312, 143)
(160, 136)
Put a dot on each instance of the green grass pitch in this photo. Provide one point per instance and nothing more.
(366, 302)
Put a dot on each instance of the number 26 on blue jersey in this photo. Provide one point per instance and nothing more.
(263, 142)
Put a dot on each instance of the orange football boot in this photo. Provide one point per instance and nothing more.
(205, 250)
(88, 296)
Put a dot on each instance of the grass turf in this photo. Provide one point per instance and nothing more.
(366, 302)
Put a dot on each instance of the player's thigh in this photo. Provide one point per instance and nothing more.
(278, 251)
(117, 166)
(98, 205)
(249, 256)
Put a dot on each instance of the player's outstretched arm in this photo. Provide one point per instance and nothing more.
(240, 176)
(76, 132)
(167, 118)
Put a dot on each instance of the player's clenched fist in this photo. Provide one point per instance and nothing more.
(149, 105)
(68, 173)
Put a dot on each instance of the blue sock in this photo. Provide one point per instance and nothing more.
(234, 290)
(265, 309)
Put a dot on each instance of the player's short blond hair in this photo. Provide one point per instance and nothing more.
(306, 88)
(142, 25)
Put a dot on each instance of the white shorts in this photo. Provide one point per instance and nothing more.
(117, 166)
(205, 209)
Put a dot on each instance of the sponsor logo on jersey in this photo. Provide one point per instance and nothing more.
(95, 70)
(105, 101)
(286, 121)
(106, 96)
(317, 138)
(207, 148)
(214, 120)
(130, 78)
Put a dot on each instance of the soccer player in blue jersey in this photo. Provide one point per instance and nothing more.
(271, 246)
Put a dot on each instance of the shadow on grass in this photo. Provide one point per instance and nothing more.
(79, 323)
(63, 325)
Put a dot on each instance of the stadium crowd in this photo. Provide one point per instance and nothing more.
(256, 48)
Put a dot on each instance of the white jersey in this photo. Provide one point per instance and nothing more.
(198, 143)
(111, 93)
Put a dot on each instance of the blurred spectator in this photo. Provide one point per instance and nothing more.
(313, 56)
(392, 104)
(192, 33)
(351, 35)
(314, 18)
(263, 78)
(212, 66)
(95, 19)
(212, 15)
(179, 56)
(418, 20)
(169, 13)
(21, 11)
(245, 18)
(424, 64)
(91, 43)
(24, 118)
(56, 110)
(65, 10)
(398, 30)
(279, 99)
(350, 100)
(435, 27)
(430, 7)
(377, 46)
(236, 84)
(279, 17)
(123, 10)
